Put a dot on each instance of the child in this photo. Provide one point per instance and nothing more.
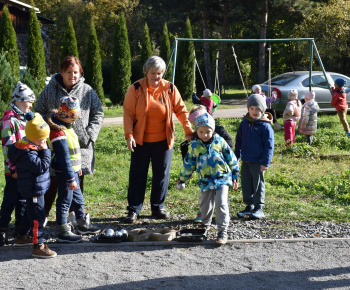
(254, 145)
(291, 115)
(32, 159)
(220, 130)
(217, 167)
(66, 161)
(308, 119)
(340, 103)
(205, 100)
(12, 130)
(256, 89)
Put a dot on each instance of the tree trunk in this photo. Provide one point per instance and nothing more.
(206, 51)
(262, 45)
(223, 47)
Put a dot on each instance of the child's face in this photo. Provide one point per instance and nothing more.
(68, 120)
(39, 142)
(257, 91)
(336, 86)
(255, 112)
(205, 133)
(24, 106)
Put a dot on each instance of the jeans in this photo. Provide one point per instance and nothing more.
(12, 200)
(160, 156)
(66, 197)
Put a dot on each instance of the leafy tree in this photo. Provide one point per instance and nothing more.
(70, 46)
(146, 50)
(8, 41)
(165, 51)
(36, 53)
(7, 80)
(121, 72)
(185, 61)
(93, 68)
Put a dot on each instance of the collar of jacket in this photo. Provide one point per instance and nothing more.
(24, 144)
(267, 117)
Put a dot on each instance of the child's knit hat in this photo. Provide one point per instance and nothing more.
(206, 93)
(255, 87)
(205, 120)
(69, 108)
(257, 101)
(293, 95)
(340, 82)
(310, 96)
(22, 93)
(36, 128)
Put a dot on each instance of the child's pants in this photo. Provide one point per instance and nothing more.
(289, 132)
(219, 199)
(342, 117)
(11, 200)
(253, 184)
(309, 139)
(66, 197)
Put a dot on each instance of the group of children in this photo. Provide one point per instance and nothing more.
(30, 146)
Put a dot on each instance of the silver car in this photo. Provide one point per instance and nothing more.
(299, 80)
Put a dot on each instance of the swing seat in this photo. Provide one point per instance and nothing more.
(216, 100)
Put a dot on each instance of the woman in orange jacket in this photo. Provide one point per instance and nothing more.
(149, 132)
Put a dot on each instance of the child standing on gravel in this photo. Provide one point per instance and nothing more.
(254, 145)
(340, 103)
(32, 159)
(308, 119)
(217, 167)
(291, 115)
(66, 161)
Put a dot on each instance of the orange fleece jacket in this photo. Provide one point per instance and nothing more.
(136, 106)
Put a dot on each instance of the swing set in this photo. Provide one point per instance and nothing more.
(312, 49)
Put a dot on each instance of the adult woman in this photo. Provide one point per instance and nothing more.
(70, 82)
(149, 132)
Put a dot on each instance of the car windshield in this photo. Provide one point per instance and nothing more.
(282, 80)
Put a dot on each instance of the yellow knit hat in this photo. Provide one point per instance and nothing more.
(36, 128)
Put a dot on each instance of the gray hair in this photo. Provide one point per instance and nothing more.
(154, 63)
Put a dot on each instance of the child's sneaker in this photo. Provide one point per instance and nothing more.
(198, 219)
(85, 227)
(45, 222)
(222, 238)
(65, 234)
(348, 134)
(257, 214)
(23, 241)
(71, 218)
(246, 212)
(43, 251)
(3, 237)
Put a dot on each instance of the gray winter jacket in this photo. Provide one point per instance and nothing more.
(308, 119)
(88, 127)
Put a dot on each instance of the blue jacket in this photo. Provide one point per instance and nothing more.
(255, 141)
(32, 167)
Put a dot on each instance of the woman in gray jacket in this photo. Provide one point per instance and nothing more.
(70, 82)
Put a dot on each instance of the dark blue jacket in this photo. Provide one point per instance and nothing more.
(255, 141)
(32, 167)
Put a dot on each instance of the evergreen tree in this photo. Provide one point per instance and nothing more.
(30, 81)
(70, 46)
(184, 67)
(8, 41)
(93, 68)
(36, 53)
(7, 80)
(121, 72)
(165, 51)
(146, 49)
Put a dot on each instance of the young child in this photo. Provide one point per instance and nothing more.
(217, 167)
(205, 100)
(340, 103)
(291, 115)
(32, 159)
(256, 89)
(12, 127)
(254, 145)
(308, 119)
(66, 161)
(194, 113)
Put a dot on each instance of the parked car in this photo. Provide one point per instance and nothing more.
(299, 80)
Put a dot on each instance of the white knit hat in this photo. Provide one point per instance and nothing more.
(293, 95)
(207, 93)
(22, 93)
(310, 95)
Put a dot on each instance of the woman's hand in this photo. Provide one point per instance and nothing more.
(130, 142)
(263, 168)
(73, 185)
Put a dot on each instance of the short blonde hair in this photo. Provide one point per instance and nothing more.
(198, 108)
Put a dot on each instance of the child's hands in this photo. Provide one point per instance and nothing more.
(73, 185)
(14, 175)
(263, 168)
(235, 184)
(43, 145)
(80, 173)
